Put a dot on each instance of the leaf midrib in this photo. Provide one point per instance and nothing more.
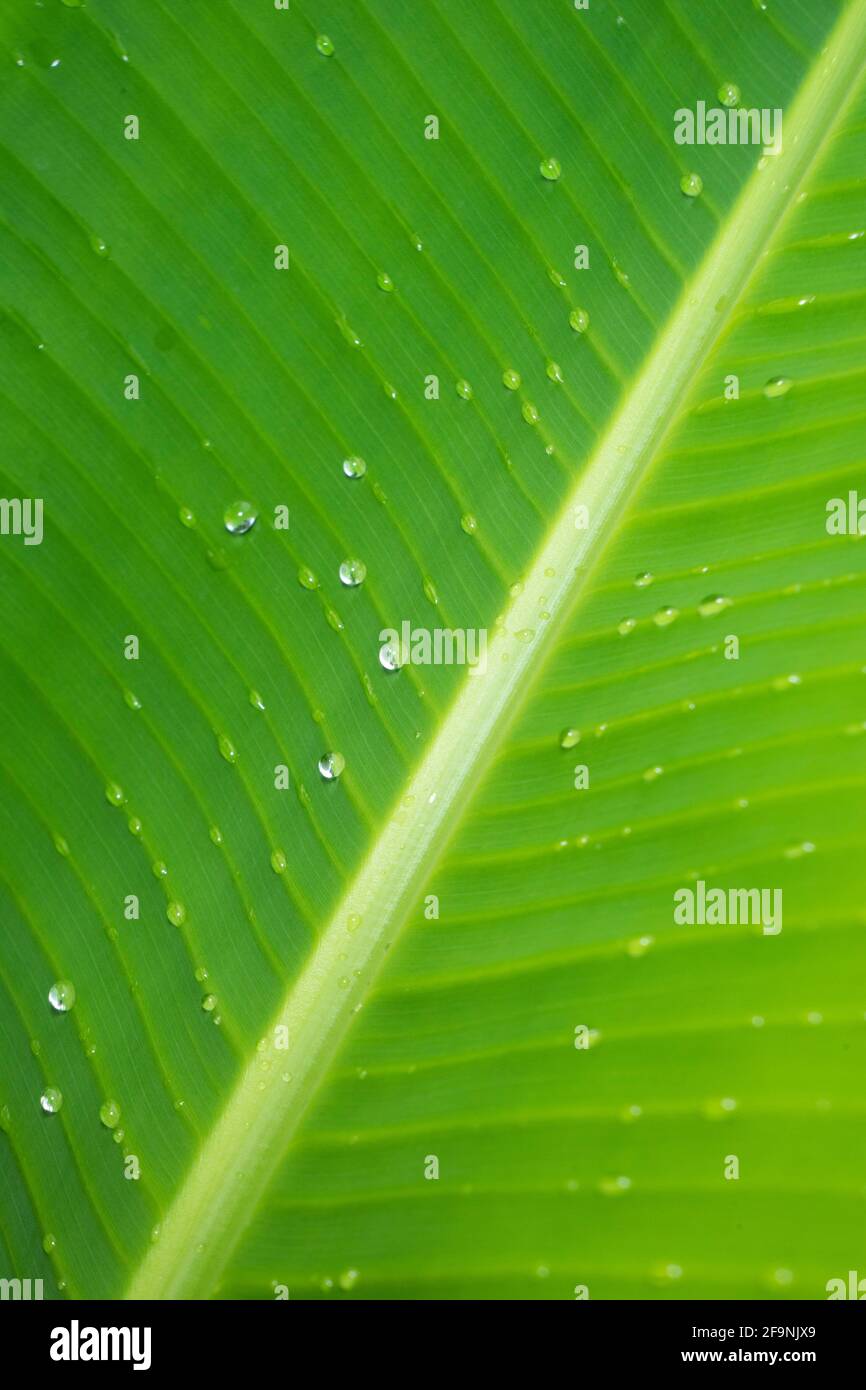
(211, 1209)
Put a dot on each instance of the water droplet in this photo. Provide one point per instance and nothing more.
(159, 869)
(391, 656)
(550, 168)
(354, 467)
(353, 573)
(227, 749)
(692, 185)
(579, 320)
(239, 517)
(665, 616)
(131, 700)
(625, 627)
(49, 1243)
(256, 700)
(622, 275)
(643, 581)
(61, 846)
(469, 523)
(530, 413)
(525, 635)
(614, 1187)
(209, 1003)
(115, 794)
(61, 996)
(715, 603)
(729, 94)
(554, 371)
(569, 737)
(430, 591)
(777, 386)
(348, 1280)
(98, 245)
(557, 278)
(511, 379)
(384, 281)
(176, 914)
(652, 773)
(324, 45)
(278, 862)
(331, 766)
(307, 579)
(201, 974)
(334, 620)
(463, 389)
(187, 517)
(639, 946)
(353, 921)
(109, 1114)
(216, 834)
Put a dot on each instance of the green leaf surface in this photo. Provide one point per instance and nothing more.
(434, 931)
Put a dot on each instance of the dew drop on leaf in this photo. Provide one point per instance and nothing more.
(307, 579)
(643, 580)
(569, 738)
(61, 996)
(554, 371)
(227, 749)
(256, 700)
(530, 413)
(384, 281)
(714, 603)
(114, 794)
(663, 617)
(390, 656)
(187, 517)
(550, 168)
(468, 523)
(463, 389)
(729, 94)
(131, 700)
(331, 766)
(278, 862)
(354, 467)
(216, 835)
(176, 913)
(625, 627)
(511, 379)
(692, 185)
(159, 869)
(353, 573)
(209, 1003)
(49, 1242)
(777, 386)
(239, 517)
(579, 320)
(324, 45)
(109, 1114)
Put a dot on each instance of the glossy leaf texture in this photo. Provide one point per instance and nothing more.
(378, 987)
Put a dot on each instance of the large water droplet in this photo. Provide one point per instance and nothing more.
(240, 517)
(511, 379)
(331, 766)
(61, 996)
(115, 794)
(692, 185)
(390, 656)
(579, 320)
(109, 1114)
(176, 913)
(777, 386)
(209, 1003)
(569, 738)
(353, 573)
(554, 371)
(729, 94)
(354, 467)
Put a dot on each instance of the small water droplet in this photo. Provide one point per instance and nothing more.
(511, 379)
(307, 579)
(550, 168)
(692, 185)
(554, 371)
(430, 591)
(159, 869)
(227, 749)
(109, 1114)
(239, 517)
(278, 862)
(324, 45)
(131, 700)
(61, 846)
(384, 281)
(729, 94)
(49, 1242)
(625, 627)
(463, 389)
(61, 996)
(98, 245)
(187, 517)
(354, 467)
(469, 523)
(714, 603)
(665, 616)
(525, 635)
(201, 974)
(216, 835)
(114, 794)
(579, 320)
(353, 921)
(353, 573)
(530, 413)
(176, 913)
(569, 738)
(209, 1003)
(348, 1280)
(256, 700)
(777, 386)
(557, 278)
(652, 773)
(643, 581)
(331, 766)
(622, 275)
